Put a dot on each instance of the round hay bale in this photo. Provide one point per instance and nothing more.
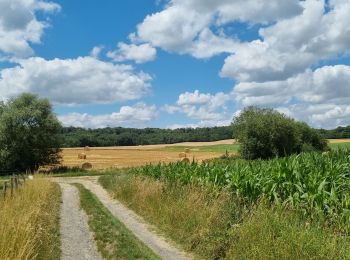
(185, 160)
(82, 156)
(86, 166)
(87, 148)
(182, 155)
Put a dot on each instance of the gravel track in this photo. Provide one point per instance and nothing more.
(142, 230)
(77, 241)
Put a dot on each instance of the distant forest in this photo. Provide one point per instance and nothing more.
(80, 137)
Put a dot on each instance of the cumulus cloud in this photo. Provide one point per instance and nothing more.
(290, 46)
(208, 109)
(139, 53)
(133, 116)
(319, 97)
(324, 85)
(20, 27)
(187, 26)
(83, 80)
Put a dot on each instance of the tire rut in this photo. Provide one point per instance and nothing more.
(77, 242)
(142, 230)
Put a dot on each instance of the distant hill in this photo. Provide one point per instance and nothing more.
(80, 137)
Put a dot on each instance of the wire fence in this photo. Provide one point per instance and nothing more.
(12, 183)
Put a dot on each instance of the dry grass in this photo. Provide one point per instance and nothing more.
(216, 225)
(195, 217)
(29, 222)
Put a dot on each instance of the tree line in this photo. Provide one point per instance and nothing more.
(80, 137)
(118, 136)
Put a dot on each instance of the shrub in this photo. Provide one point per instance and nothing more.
(265, 133)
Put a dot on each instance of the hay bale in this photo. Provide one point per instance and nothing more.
(87, 148)
(86, 166)
(82, 156)
(182, 155)
(185, 160)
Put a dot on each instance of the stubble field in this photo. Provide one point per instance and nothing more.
(131, 156)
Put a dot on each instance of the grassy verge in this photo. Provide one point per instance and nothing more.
(335, 146)
(29, 222)
(222, 148)
(217, 225)
(113, 239)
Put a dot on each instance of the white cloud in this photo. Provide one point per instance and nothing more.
(208, 109)
(84, 80)
(139, 53)
(328, 84)
(96, 51)
(19, 26)
(319, 97)
(132, 116)
(290, 46)
(183, 26)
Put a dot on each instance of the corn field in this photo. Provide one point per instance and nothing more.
(317, 185)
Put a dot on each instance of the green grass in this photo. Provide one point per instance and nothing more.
(231, 148)
(215, 224)
(221, 148)
(114, 240)
(316, 184)
(340, 146)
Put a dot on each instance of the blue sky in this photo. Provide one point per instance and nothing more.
(178, 63)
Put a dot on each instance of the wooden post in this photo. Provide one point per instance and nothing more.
(16, 181)
(11, 186)
(5, 189)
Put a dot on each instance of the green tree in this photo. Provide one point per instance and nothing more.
(29, 134)
(265, 133)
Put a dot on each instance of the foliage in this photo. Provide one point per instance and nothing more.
(271, 234)
(216, 224)
(317, 185)
(266, 133)
(80, 137)
(28, 134)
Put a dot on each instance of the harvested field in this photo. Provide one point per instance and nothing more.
(130, 156)
(119, 157)
(338, 141)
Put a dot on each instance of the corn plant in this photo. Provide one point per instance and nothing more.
(316, 184)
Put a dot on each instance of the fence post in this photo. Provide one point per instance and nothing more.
(5, 189)
(11, 186)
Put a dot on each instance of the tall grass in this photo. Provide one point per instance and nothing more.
(29, 222)
(318, 185)
(216, 224)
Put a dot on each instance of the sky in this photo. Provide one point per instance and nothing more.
(178, 63)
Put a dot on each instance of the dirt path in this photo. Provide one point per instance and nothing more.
(77, 241)
(133, 222)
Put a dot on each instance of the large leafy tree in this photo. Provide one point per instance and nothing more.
(266, 133)
(29, 134)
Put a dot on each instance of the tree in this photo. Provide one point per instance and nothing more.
(265, 133)
(29, 134)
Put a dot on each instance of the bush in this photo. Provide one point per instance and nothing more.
(265, 133)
